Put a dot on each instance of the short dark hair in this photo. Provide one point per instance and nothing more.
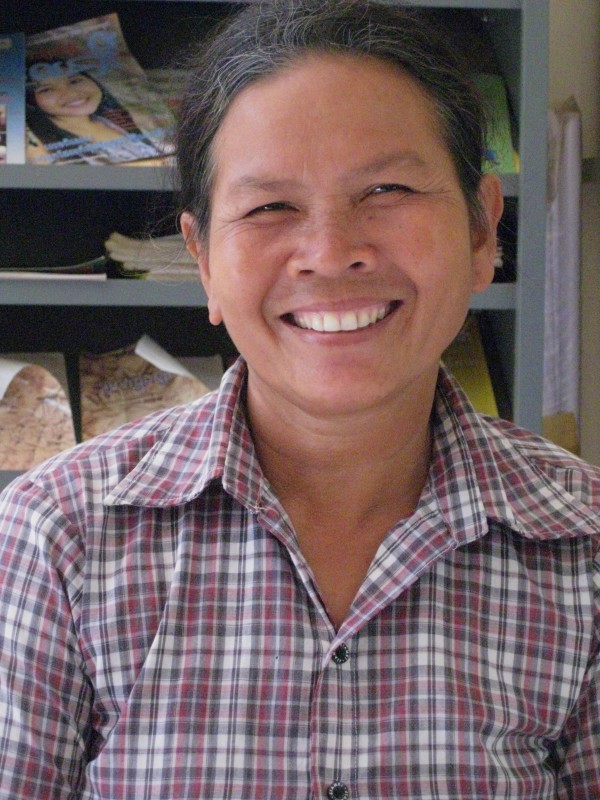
(268, 36)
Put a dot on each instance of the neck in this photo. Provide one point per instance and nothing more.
(360, 465)
(82, 127)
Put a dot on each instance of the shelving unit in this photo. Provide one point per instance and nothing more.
(70, 210)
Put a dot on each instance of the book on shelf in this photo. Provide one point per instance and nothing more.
(466, 360)
(36, 421)
(12, 98)
(88, 100)
(133, 381)
(156, 258)
(502, 156)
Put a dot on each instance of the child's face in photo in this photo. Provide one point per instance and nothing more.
(68, 96)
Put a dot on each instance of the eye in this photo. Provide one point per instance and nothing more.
(270, 207)
(387, 188)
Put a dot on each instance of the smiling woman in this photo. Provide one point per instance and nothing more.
(365, 219)
(331, 578)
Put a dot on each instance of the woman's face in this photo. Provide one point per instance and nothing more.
(68, 96)
(340, 253)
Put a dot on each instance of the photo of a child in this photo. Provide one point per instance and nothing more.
(75, 118)
(89, 101)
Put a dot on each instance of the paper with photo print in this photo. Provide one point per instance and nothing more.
(89, 100)
(128, 383)
(35, 415)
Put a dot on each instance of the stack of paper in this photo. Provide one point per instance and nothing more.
(158, 258)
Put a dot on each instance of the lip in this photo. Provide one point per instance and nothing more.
(346, 319)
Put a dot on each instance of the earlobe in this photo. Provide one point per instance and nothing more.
(199, 252)
(484, 237)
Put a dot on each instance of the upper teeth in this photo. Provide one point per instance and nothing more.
(332, 321)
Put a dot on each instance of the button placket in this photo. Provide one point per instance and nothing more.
(334, 746)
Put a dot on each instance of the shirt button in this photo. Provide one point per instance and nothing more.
(341, 654)
(338, 791)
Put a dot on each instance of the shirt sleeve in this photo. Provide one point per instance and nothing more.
(46, 736)
(579, 751)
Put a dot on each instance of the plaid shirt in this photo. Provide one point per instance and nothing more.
(161, 635)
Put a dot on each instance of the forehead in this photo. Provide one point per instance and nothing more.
(60, 80)
(322, 101)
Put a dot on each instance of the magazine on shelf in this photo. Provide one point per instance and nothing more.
(502, 155)
(36, 421)
(12, 98)
(169, 83)
(89, 101)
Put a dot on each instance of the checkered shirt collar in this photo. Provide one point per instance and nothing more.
(480, 472)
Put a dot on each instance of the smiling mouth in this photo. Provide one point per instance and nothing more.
(341, 321)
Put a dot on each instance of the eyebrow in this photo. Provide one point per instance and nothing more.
(403, 158)
(399, 159)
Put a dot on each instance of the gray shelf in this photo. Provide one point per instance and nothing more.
(82, 176)
(102, 293)
(499, 296)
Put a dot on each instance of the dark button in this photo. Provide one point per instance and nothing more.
(338, 791)
(341, 654)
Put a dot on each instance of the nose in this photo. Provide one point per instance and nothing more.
(330, 246)
(64, 94)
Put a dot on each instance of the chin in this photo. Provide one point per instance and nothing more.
(342, 397)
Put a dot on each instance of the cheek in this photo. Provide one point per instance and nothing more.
(236, 293)
(245, 269)
(441, 256)
(45, 103)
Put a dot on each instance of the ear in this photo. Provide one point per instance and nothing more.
(198, 249)
(484, 232)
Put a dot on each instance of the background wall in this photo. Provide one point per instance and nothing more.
(575, 70)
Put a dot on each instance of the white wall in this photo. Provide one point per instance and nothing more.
(575, 70)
